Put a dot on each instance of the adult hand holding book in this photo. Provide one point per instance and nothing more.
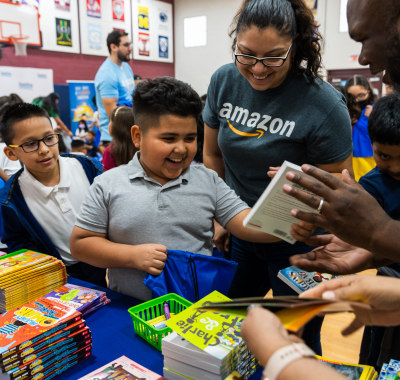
(381, 293)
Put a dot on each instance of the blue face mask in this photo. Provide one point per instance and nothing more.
(81, 126)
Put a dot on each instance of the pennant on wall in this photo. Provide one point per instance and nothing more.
(93, 8)
(62, 5)
(144, 43)
(94, 36)
(118, 10)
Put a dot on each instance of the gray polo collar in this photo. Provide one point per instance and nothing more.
(135, 170)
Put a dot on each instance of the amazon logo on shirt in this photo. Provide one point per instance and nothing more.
(262, 123)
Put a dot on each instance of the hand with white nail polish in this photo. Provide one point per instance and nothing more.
(381, 293)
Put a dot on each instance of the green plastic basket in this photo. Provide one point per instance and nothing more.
(153, 309)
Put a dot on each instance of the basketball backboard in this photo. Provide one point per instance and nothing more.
(19, 20)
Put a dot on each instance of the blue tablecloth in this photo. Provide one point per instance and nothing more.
(113, 335)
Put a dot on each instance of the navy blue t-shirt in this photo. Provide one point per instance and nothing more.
(386, 190)
(297, 121)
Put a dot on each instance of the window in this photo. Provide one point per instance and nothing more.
(195, 31)
(343, 27)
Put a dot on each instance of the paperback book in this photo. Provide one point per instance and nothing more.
(26, 325)
(272, 212)
(79, 298)
(121, 369)
(351, 371)
(300, 280)
(28, 276)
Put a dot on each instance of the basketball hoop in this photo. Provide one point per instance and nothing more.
(19, 44)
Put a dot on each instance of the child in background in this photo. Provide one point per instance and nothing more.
(82, 130)
(121, 150)
(133, 213)
(78, 147)
(383, 183)
(39, 203)
(90, 145)
(361, 89)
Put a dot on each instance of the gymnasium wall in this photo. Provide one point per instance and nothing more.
(67, 66)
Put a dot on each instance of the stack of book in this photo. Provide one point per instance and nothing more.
(120, 369)
(352, 371)
(41, 340)
(390, 371)
(206, 345)
(27, 276)
(84, 300)
(183, 360)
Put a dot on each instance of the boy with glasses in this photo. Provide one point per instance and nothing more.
(40, 202)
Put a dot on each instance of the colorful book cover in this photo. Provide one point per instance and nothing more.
(63, 365)
(28, 323)
(300, 280)
(215, 333)
(21, 261)
(391, 373)
(39, 348)
(76, 297)
(121, 369)
(395, 364)
(351, 371)
(49, 360)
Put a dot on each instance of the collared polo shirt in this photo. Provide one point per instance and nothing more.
(55, 208)
(132, 208)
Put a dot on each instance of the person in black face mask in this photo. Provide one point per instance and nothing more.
(363, 160)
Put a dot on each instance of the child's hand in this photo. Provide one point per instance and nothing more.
(150, 258)
(272, 171)
(302, 231)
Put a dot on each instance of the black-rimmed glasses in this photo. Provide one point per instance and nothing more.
(33, 145)
(249, 60)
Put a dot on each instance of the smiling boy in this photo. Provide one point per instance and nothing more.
(39, 203)
(133, 213)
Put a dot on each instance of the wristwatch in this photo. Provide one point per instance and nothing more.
(283, 357)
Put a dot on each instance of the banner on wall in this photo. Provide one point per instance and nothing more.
(143, 18)
(93, 8)
(28, 83)
(94, 32)
(80, 99)
(118, 10)
(162, 47)
(144, 44)
(62, 5)
(152, 30)
(63, 32)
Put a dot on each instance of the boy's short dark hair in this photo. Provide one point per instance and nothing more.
(77, 144)
(93, 133)
(384, 121)
(115, 38)
(16, 113)
(164, 96)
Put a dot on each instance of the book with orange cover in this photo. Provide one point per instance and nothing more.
(27, 324)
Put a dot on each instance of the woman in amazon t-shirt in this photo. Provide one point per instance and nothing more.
(267, 107)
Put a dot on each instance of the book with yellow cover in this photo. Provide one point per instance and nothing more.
(216, 333)
(28, 275)
(351, 371)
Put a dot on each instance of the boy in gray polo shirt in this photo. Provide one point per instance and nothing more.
(133, 213)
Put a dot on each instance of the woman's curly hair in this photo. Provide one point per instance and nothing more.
(291, 18)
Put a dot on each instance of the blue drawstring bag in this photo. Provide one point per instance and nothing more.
(192, 276)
